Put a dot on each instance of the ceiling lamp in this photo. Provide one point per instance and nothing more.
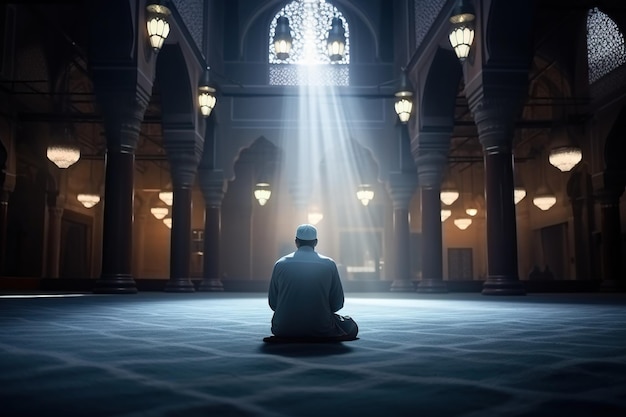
(282, 38)
(88, 200)
(336, 40)
(544, 198)
(63, 156)
(262, 192)
(159, 212)
(565, 157)
(167, 197)
(365, 194)
(448, 196)
(462, 31)
(206, 94)
(315, 216)
(445, 214)
(168, 222)
(471, 211)
(518, 194)
(157, 24)
(404, 101)
(463, 223)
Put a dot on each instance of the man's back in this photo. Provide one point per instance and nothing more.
(305, 292)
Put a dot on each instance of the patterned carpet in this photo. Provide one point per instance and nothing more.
(201, 354)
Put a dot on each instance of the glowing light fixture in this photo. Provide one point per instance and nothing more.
(518, 194)
(462, 31)
(463, 223)
(63, 156)
(445, 214)
(544, 198)
(157, 24)
(262, 192)
(167, 197)
(88, 200)
(336, 40)
(159, 212)
(404, 101)
(206, 94)
(315, 216)
(168, 222)
(365, 194)
(471, 211)
(448, 196)
(565, 157)
(282, 38)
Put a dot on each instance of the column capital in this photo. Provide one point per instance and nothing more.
(213, 186)
(401, 187)
(430, 168)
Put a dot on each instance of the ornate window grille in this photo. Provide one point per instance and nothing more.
(308, 62)
(606, 50)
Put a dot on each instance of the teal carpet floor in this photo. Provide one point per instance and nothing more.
(202, 354)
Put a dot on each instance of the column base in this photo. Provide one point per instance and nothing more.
(179, 285)
(211, 284)
(502, 285)
(404, 285)
(115, 284)
(432, 286)
(612, 285)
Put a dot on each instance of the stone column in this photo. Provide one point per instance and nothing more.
(183, 152)
(611, 243)
(494, 117)
(4, 210)
(401, 187)
(53, 252)
(430, 166)
(213, 187)
(123, 114)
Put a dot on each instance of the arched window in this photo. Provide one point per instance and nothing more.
(308, 62)
(605, 45)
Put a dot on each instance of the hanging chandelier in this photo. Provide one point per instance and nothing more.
(63, 156)
(565, 157)
(159, 212)
(445, 214)
(88, 200)
(463, 223)
(518, 194)
(448, 196)
(167, 197)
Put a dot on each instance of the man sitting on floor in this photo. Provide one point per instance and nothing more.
(305, 293)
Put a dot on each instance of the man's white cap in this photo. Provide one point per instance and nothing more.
(306, 232)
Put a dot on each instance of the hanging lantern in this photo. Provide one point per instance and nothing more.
(282, 38)
(365, 194)
(445, 214)
(518, 194)
(404, 100)
(206, 94)
(336, 40)
(544, 198)
(157, 24)
(565, 157)
(462, 31)
(262, 192)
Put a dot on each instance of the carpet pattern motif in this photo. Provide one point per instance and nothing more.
(202, 354)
